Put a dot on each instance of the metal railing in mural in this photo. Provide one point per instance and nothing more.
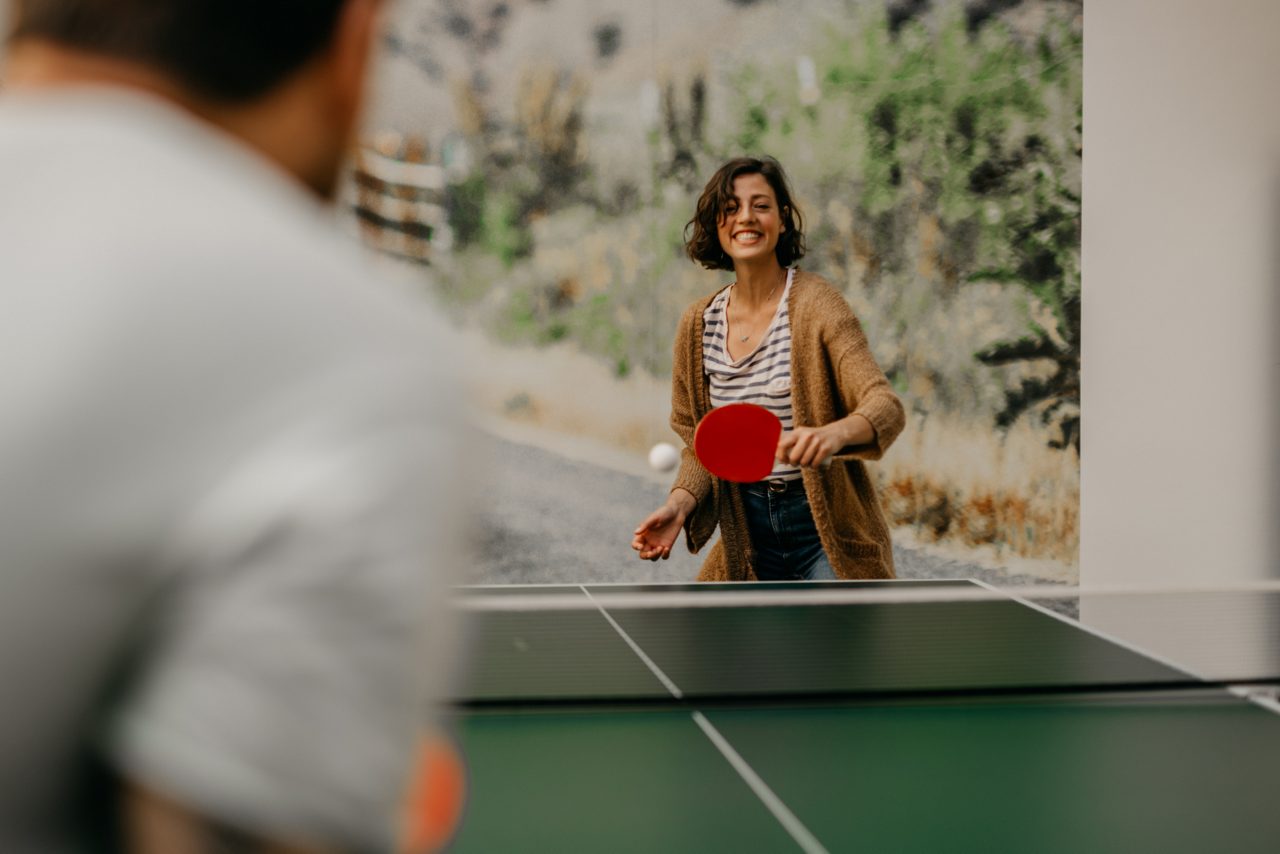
(398, 198)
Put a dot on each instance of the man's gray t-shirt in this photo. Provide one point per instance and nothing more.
(226, 454)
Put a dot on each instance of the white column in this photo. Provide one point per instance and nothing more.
(1180, 251)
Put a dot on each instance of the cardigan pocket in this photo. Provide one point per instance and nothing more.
(860, 559)
(859, 549)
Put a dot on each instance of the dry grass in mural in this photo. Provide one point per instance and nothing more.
(967, 484)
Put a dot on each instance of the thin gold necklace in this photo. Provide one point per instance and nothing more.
(743, 339)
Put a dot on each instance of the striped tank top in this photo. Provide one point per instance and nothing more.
(763, 376)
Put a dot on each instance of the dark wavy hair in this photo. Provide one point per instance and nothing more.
(703, 246)
(228, 50)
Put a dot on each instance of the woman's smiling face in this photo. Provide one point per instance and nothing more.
(750, 224)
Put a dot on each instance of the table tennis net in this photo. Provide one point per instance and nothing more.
(655, 643)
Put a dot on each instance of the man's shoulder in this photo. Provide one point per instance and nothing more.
(241, 238)
(151, 177)
(206, 260)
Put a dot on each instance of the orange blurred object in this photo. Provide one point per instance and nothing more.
(437, 793)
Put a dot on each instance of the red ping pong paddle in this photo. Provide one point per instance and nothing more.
(738, 441)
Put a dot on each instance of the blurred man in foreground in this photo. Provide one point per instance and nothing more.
(226, 454)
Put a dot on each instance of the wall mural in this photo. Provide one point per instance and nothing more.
(535, 163)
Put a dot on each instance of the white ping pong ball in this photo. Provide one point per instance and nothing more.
(663, 456)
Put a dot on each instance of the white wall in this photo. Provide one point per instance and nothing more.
(1181, 219)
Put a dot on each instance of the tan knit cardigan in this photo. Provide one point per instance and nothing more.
(833, 374)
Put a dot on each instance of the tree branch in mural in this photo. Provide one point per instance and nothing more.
(548, 131)
(685, 133)
(529, 165)
(1046, 256)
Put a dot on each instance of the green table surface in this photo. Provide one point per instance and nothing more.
(1127, 774)
(643, 781)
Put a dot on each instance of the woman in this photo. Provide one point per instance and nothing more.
(787, 340)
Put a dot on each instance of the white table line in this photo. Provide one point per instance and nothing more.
(806, 840)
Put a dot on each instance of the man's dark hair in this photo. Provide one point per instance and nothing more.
(226, 50)
(704, 244)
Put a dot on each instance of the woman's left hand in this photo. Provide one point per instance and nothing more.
(808, 446)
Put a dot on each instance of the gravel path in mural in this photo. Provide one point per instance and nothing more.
(548, 518)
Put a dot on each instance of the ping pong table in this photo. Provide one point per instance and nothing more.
(896, 716)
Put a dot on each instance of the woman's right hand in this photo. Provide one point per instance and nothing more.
(658, 532)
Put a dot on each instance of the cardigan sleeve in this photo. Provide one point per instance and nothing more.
(691, 476)
(862, 386)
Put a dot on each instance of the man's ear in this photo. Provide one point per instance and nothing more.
(354, 38)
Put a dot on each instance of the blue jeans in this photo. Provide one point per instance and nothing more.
(782, 531)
